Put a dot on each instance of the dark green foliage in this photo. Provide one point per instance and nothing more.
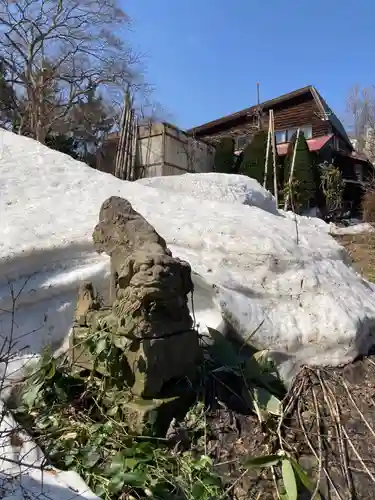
(303, 175)
(8, 98)
(237, 163)
(224, 156)
(64, 144)
(254, 158)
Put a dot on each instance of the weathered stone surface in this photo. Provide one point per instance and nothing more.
(148, 317)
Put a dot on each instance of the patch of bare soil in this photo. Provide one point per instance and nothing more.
(328, 426)
(235, 438)
(361, 249)
(332, 429)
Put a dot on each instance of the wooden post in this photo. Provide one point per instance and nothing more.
(267, 152)
(164, 148)
(276, 194)
(291, 170)
(133, 166)
(120, 153)
(120, 142)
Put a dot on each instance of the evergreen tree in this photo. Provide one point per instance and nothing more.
(8, 99)
(254, 159)
(303, 182)
(64, 144)
(224, 156)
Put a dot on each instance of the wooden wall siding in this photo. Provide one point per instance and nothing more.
(299, 112)
(235, 129)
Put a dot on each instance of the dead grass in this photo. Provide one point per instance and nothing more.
(361, 248)
(368, 203)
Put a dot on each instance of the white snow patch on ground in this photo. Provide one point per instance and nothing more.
(356, 228)
(23, 473)
(217, 187)
(281, 275)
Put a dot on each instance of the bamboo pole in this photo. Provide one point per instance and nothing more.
(120, 142)
(276, 194)
(148, 150)
(122, 137)
(267, 152)
(290, 180)
(127, 143)
(125, 149)
(134, 150)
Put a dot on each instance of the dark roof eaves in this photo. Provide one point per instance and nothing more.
(244, 112)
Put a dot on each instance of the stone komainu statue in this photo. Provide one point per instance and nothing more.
(148, 314)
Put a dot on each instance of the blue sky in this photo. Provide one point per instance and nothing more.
(204, 57)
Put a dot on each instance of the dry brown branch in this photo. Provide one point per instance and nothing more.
(56, 53)
(361, 118)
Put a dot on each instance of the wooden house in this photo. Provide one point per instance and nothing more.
(306, 109)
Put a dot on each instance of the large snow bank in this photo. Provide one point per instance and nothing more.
(283, 276)
(288, 281)
(216, 187)
(354, 228)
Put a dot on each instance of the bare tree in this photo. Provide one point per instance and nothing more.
(57, 52)
(361, 111)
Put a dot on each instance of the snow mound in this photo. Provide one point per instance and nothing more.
(284, 277)
(217, 187)
(355, 228)
(255, 268)
(26, 466)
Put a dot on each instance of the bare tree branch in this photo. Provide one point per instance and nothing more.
(361, 111)
(56, 52)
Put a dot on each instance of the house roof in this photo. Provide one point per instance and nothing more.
(249, 111)
(314, 144)
(322, 105)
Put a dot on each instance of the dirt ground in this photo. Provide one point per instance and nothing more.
(329, 430)
(361, 248)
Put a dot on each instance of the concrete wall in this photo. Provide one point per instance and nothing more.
(165, 150)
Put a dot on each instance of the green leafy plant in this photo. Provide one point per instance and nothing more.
(293, 476)
(261, 384)
(332, 186)
(80, 422)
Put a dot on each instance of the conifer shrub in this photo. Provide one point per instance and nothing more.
(224, 156)
(254, 159)
(303, 174)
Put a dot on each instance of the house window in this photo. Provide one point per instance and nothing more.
(290, 133)
(307, 131)
(280, 136)
(358, 172)
(286, 135)
(241, 141)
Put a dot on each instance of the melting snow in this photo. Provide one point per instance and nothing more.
(281, 275)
